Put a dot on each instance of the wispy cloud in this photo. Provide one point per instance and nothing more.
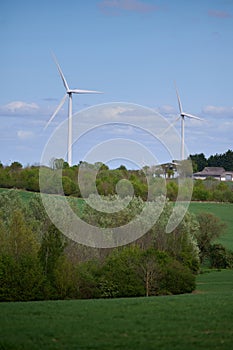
(116, 6)
(167, 110)
(219, 14)
(18, 108)
(24, 135)
(218, 110)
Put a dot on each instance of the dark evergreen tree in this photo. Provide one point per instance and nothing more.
(199, 161)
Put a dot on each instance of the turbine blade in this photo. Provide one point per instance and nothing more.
(191, 116)
(170, 126)
(56, 111)
(61, 73)
(78, 91)
(179, 101)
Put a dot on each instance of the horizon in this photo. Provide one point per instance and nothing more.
(114, 165)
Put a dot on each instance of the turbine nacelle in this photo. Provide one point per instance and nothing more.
(182, 116)
(78, 91)
(68, 93)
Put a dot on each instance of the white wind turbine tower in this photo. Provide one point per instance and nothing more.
(182, 116)
(68, 93)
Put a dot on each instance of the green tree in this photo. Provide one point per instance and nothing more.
(172, 190)
(52, 248)
(89, 280)
(9, 201)
(200, 192)
(66, 278)
(199, 161)
(224, 160)
(21, 275)
(151, 269)
(218, 256)
(21, 239)
(181, 243)
(210, 228)
(120, 274)
(178, 279)
(21, 279)
(15, 166)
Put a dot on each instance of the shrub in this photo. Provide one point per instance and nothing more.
(210, 228)
(132, 272)
(220, 257)
(21, 279)
(178, 279)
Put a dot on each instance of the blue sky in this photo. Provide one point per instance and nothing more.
(132, 50)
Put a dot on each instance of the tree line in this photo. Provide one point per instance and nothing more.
(37, 262)
(159, 180)
(224, 160)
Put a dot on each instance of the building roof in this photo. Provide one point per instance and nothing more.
(211, 171)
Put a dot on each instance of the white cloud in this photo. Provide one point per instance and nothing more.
(24, 135)
(18, 108)
(218, 110)
(167, 109)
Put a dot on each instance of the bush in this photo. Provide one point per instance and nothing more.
(210, 228)
(22, 279)
(220, 257)
(132, 272)
(178, 279)
(120, 274)
(172, 190)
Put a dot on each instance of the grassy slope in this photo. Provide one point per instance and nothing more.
(25, 195)
(222, 210)
(196, 321)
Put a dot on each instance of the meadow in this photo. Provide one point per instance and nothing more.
(202, 320)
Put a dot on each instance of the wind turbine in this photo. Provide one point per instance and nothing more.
(182, 116)
(68, 94)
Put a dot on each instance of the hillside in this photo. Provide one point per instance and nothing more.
(202, 320)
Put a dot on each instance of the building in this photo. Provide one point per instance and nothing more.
(218, 173)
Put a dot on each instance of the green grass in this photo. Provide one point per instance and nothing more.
(223, 211)
(202, 320)
(27, 195)
(24, 195)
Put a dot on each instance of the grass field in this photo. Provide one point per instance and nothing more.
(25, 195)
(202, 320)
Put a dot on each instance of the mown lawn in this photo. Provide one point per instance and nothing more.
(202, 320)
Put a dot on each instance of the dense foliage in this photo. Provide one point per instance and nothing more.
(224, 160)
(148, 183)
(212, 190)
(37, 262)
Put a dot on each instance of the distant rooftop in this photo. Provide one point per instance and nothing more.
(211, 171)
